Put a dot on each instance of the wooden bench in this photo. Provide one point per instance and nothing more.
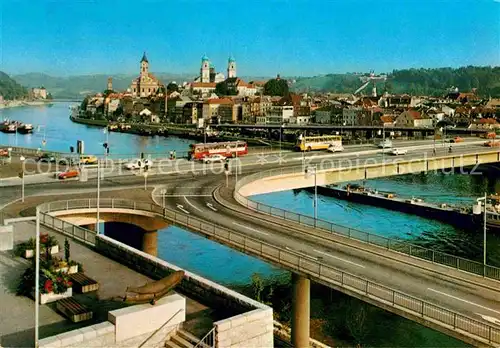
(82, 283)
(73, 309)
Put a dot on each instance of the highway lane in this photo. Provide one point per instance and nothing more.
(466, 298)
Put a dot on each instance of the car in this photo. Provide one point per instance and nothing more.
(214, 158)
(46, 158)
(4, 153)
(397, 152)
(492, 143)
(71, 173)
(67, 161)
(139, 163)
(456, 140)
(335, 148)
(88, 159)
(385, 144)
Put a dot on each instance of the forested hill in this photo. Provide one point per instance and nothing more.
(10, 89)
(412, 81)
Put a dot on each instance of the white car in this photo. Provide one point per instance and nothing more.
(335, 148)
(139, 164)
(397, 152)
(214, 158)
(385, 144)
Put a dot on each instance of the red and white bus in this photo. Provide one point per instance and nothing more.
(227, 149)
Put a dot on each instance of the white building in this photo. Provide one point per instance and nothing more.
(279, 114)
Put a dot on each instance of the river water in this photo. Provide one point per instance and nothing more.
(229, 267)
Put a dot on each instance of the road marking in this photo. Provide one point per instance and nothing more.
(251, 229)
(192, 205)
(338, 258)
(298, 252)
(181, 208)
(488, 318)
(160, 195)
(461, 299)
(211, 206)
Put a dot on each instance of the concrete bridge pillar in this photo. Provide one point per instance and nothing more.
(301, 288)
(150, 242)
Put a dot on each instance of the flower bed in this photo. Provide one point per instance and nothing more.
(48, 244)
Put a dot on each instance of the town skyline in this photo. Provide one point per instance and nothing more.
(304, 41)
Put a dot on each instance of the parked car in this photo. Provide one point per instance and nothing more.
(489, 135)
(46, 158)
(397, 152)
(456, 140)
(71, 173)
(214, 158)
(139, 163)
(492, 143)
(385, 144)
(4, 153)
(335, 148)
(88, 159)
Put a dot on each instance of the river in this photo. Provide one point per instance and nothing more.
(231, 267)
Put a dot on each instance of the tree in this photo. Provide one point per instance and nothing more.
(172, 87)
(276, 87)
(356, 320)
(223, 89)
(49, 96)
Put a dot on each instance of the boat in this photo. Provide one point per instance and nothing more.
(25, 128)
(492, 211)
(9, 127)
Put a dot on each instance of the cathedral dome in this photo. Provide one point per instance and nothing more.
(204, 58)
(231, 59)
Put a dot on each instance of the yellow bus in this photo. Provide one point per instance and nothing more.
(320, 142)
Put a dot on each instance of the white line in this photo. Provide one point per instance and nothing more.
(460, 299)
(298, 252)
(211, 206)
(251, 229)
(181, 208)
(488, 318)
(192, 205)
(338, 258)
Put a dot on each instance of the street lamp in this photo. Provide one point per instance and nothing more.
(98, 195)
(281, 131)
(37, 273)
(21, 174)
(484, 231)
(309, 171)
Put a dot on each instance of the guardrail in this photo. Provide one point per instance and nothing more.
(397, 245)
(472, 328)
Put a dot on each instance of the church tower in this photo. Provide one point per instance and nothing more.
(110, 84)
(144, 66)
(205, 69)
(231, 67)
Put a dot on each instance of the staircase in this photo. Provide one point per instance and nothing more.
(182, 339)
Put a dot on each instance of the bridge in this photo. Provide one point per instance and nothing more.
(456, 296)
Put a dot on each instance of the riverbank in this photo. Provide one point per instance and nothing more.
(7, 104)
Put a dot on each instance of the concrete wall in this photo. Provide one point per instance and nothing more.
(251, 329)
(6, 237)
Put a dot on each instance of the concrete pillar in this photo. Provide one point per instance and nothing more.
(150, 242)
(301, 288)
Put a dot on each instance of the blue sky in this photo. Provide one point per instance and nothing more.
(266, 37)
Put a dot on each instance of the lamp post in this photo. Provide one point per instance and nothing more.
(484, 231)
(98, 196)
(37, 273)
(308, 172)
(21, 174)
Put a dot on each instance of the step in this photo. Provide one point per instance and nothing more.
(188, 336)
(182, 342)
(171, 344)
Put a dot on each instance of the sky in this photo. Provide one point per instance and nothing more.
(266, 37)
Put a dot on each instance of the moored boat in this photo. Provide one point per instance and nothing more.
(25, 128)
(9, 127)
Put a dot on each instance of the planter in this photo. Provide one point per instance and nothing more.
(61, 269)
(51, 297)
(73, 269)
(29, 253)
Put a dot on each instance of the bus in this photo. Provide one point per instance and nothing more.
(320, 142)
(227, 149)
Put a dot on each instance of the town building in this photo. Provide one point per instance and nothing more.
(208, 73)
(231, 68)
(211, 108)
(145, 84)
(413, 118)
(39, 93)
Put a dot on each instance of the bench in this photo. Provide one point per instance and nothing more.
(82, 283)
(74, 310)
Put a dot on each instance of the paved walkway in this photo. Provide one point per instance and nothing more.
(17, 319)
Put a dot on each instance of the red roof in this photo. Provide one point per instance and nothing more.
(203, 85)
(488, 121)
(386, 119)
(219, 101)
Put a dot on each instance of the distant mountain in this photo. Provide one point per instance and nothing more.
(81, 85)
(411, 81)
(10, 89)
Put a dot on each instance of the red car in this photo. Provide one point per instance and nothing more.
(71, 173)
(4, 153)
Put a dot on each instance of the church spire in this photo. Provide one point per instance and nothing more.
(144, 58)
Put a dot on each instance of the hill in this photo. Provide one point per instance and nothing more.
(80, 85)
(10, 89)
(412, 81)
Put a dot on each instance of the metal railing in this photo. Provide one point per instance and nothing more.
(207, 341)
(161, 327)
(394, 244)
(472, 328)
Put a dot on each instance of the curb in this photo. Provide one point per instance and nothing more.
(342, 241)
